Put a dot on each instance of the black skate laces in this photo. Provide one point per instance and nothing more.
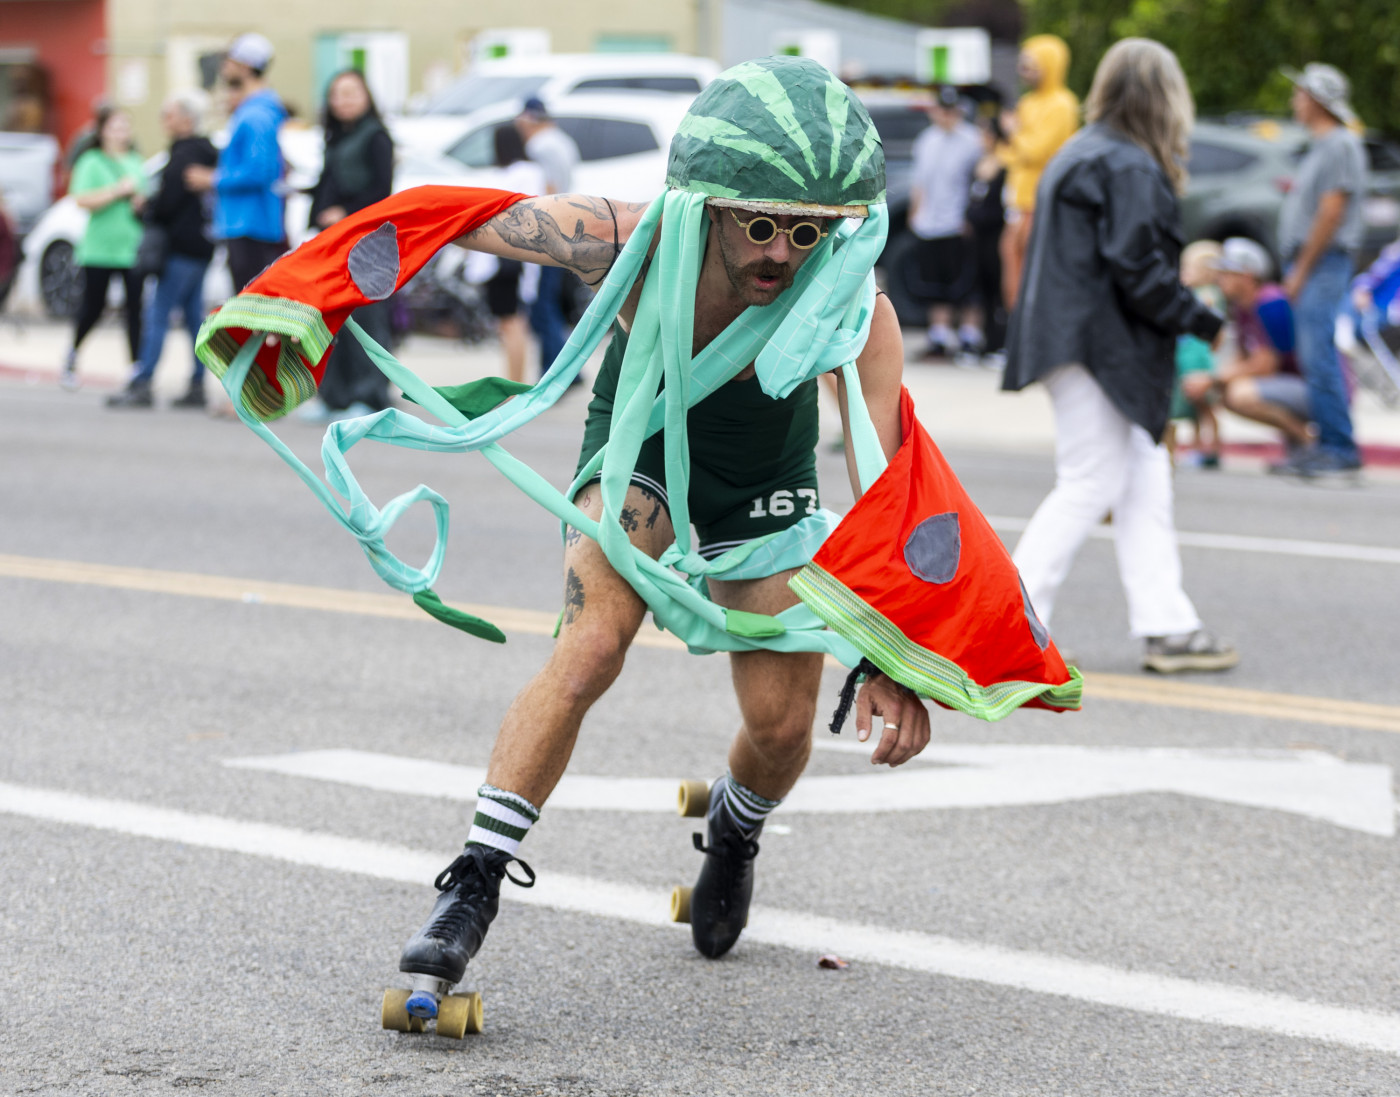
(476, 864)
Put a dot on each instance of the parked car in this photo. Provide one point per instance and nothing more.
(27, 166)
(1242, 168)
(549, 76)
(623, 141)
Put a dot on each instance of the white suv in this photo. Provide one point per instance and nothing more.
(551, 75)
(623, 141)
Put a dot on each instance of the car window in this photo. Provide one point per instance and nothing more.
(475, 92)
(604, 138)
(678, 84)
(1209, 159)
(1382, 157)
(897, 127)
(477, 149)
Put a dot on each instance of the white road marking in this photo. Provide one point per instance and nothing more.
(1233, 542)
(1140, 992)
(1357, 796)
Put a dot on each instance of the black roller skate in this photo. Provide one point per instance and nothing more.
(436, 956)
(717, 908)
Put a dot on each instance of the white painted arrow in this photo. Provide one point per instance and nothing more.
(1313, 784)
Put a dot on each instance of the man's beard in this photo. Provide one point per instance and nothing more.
(741, 277)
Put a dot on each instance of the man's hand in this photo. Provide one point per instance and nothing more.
(906, 720)
(1362, 299)
(198, 177)
(330, 215)
(1293, 284)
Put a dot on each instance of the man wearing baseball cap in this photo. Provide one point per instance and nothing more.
(945, 156)
(1319, 233)
(249, 212)
(557, 154)
(1261, 381)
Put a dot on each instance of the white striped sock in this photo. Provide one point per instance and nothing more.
(502, 819)
(746, 807)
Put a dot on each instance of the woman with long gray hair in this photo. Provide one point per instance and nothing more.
(1100, 307)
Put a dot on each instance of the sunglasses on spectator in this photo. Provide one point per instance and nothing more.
(804, 236)
(233, 83)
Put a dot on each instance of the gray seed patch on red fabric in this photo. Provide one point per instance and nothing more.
(934, 548)
(374, 262)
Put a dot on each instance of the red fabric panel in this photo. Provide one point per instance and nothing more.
(977, 619)
(317, 273)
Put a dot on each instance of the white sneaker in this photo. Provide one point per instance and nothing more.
(68, 376)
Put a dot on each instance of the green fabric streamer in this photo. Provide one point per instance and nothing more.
(449, 615)
(476, 398)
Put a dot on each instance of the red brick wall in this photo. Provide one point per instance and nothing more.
(67, 35)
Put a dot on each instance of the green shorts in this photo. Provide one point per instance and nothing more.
(753, 464)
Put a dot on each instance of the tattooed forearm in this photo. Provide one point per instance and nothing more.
(573, 597)
(529, 227)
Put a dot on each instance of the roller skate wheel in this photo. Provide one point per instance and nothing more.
(693, 799)
(459, 1014)
(422, 1005)
(393, 1015)
(680, 905)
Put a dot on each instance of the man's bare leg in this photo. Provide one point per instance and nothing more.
(777, 693)
(601, 616)
(1242, 397)
(777, 700)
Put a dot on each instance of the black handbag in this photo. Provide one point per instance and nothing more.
(151, 252)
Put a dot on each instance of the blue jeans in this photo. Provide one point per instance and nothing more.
(547, 317)
(181, 285)
(1314, 319)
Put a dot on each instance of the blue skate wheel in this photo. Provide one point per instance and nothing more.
(422, 1004)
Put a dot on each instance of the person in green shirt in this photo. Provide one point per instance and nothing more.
(109, 182)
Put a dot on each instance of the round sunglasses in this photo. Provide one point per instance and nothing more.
(804, 236)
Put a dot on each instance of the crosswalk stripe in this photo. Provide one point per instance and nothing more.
(930, 954)
(1325, 711)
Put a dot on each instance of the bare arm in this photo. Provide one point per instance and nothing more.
(1263, 362)
(881, 367)
(94, 200)
(573, 231)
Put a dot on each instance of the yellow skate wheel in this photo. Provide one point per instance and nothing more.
(680, 905)
(459, 1014)
(694, 799)
(393, 1015)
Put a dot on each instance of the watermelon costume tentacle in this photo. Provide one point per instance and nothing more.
(778, 135)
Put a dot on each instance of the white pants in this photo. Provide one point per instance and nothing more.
(1103, 463)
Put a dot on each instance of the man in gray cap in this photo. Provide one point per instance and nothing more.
(1260, 380)
(1319, 234)
(249, 210)
(555, 151)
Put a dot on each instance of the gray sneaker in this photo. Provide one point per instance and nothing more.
(1199, 650)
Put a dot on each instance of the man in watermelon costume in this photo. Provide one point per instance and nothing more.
(726, 298)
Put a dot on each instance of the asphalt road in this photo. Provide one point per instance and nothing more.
(169, 920)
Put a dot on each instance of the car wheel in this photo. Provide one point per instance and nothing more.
(60, 279)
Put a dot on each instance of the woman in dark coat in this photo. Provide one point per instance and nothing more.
(359, 171)
(1100, 307)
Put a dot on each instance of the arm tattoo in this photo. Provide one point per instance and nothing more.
(572, 536)
(528, 227)
(573, 597)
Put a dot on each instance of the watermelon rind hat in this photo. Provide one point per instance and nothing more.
(780, 134)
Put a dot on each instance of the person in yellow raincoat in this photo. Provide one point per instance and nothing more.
(1044, 119)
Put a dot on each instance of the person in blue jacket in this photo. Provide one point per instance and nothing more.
(249, 208)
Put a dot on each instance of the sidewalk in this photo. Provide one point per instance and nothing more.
(961, 408)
